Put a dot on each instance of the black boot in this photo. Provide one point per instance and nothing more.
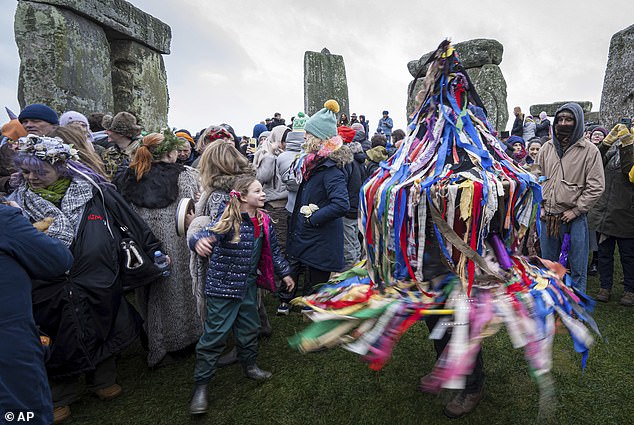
(255, 373)
(228, 359)
(199, 402)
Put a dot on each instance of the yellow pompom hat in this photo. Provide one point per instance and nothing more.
(324, 123)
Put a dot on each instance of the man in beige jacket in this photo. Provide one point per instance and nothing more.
(572, 182)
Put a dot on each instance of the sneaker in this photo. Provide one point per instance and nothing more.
(109, 393)
(283, 309)
(627, 299)
(603, 295)
(60, 414)
(463, 403)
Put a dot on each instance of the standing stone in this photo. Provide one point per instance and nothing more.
(491, 87)
(139, 83)
(480, 58)
(324, 78)
(64, 59)
(617, 98)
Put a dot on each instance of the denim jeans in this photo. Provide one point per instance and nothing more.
(606, 262)
(578, 254)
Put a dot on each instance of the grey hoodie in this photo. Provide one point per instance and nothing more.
(577, 133)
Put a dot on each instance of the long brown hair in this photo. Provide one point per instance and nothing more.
(221, 158)
(77, 138)
(142, 161)
(232, 217)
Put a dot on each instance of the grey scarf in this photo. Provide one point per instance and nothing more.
(66, 219)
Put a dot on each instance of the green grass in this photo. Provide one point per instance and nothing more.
(335, 387)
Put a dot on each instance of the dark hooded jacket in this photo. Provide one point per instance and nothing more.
(355, 172)
(25, 253)
(613, 215)
(574, 178)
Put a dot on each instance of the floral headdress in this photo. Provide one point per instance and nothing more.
(49, 149)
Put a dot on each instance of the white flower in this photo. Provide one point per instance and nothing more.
(308, 210)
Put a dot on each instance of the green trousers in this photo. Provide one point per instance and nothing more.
(223, 315)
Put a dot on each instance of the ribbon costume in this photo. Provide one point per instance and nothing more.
(443, 222)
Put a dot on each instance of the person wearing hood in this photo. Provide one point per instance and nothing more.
(316, 235)
(375, 155)
(613, 215)
(528, 129)
(294, 142)
(543, 128)
(572, 182)
(355, 172)
(267, 173)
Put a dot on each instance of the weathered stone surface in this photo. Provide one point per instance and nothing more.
(472, 54)
(617, 98)
(551, 108)
(121, 17)
(139, 83)
(324, 78)
(65, 60)
(490, 86)
(593, 117)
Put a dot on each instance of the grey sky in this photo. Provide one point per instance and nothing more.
(241, 61)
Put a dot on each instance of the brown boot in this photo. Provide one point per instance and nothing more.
(463, 403)
(60, 414)
(603, 295)
(627, 299)
(109, 393)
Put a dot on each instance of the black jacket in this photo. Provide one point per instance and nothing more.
(542, 129)
(518, 126)
(84, 311)
(355, 173)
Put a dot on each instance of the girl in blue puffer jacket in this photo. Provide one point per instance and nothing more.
(244, 254)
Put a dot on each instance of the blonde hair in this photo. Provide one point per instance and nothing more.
(77, 138)
(232, 216)
(221, 158)
(142, 161)
(313, 143)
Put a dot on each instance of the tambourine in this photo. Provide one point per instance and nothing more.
(185, 206)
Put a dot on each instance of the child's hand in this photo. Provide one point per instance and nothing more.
(203, 246)
(290, 284)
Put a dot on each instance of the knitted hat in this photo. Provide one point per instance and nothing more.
(323, 124)
(13, 130)
(346, 133)
(186, 136)
(37, 111)
(72, 116)
(601, 129)
(264, 134)
(123, 123)
(300, 122)
(543, 115)
(515, 139)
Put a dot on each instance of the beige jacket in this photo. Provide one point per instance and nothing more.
(573, 182)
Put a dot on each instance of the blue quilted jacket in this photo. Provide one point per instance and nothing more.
(230, 263)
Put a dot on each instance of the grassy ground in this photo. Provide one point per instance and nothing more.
(334, 387)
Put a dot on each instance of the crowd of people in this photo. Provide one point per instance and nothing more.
(90, 200)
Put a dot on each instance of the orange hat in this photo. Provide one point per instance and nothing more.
(13, 130)
(185, 136)
(346, 133)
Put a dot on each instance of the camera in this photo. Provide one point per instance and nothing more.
(627, 122)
